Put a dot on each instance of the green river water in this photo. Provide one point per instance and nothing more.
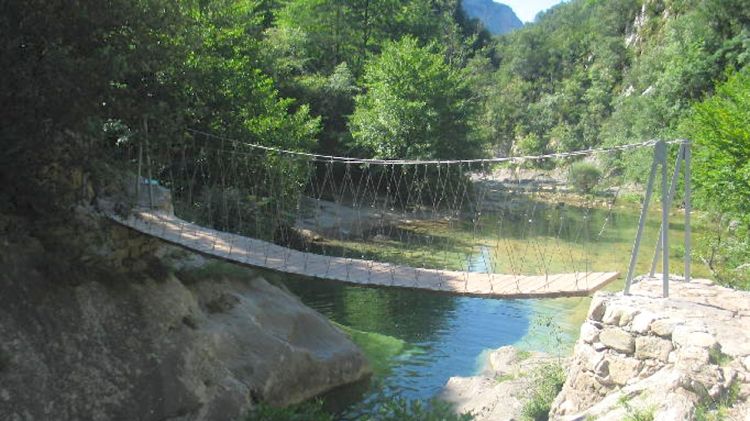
(417, 340)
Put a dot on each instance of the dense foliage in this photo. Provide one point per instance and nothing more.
(720, 127)
(415, 106)
(382, 78)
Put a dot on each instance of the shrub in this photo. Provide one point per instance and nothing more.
(547, 381)
(584, 176)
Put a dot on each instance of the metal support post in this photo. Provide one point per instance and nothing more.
(148, 164)
(659, 150)
(688, 209)
(138, 176)
(664, 220)
(670, 199)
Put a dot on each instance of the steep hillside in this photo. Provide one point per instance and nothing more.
(498, 18)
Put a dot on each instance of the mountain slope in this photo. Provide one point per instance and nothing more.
(497, 18)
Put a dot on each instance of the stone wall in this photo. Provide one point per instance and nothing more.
(666, 357)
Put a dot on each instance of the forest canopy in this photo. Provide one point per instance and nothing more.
(373, 78)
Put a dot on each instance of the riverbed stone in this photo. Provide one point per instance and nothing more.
(652, 347)
(618, 315)
(642, 322)
(598, 306)
(691, 357)
(684, 336)
(622, 369)
(617, 339)
(490, 397)
(589, 332)
(598, 346)
(663, 327)
(588, 356)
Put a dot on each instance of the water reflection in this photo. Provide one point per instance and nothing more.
(444, 335)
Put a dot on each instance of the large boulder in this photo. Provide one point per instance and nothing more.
(161, 346)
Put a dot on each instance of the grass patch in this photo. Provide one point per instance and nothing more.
(640, 414)
(547, 381)
(715, 356)
(523, 354)
(709, 409)
(504, 378)
(636, 414)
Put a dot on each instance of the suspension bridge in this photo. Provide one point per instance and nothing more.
(457, 226)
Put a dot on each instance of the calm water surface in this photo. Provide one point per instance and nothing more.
(417, 340)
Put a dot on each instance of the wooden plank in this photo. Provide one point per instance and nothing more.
(254, 252)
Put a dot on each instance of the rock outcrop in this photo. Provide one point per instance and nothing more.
(667, 357)
(141, 340)
(499, 392)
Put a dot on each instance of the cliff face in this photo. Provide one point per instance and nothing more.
(671, 358)
(498, 18)
(157, 335)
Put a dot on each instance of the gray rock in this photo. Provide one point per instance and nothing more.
(623, 369)
(598, 306)
(152, 350)
(663, 327)
(589, 332)
(691, 358)
(619, 315)
(598, 346)
(490, 399)
(601, 370)
(652, 347)
(685, 336)
(642, 322)
(617, 339)
(587, 356)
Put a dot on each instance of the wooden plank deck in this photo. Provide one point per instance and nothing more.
(253, 252)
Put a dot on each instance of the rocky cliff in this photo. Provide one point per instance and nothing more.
(150, 332)
(498, 18)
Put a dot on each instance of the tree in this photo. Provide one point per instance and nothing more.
(416, 106)
(720, 127)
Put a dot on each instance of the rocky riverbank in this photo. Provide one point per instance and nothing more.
(500, 391)
(641, 356)
(150, 332)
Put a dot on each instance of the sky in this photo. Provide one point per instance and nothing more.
(527, 9)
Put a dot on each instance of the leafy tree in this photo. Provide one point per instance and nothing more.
(720, 127)
(416, 106)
